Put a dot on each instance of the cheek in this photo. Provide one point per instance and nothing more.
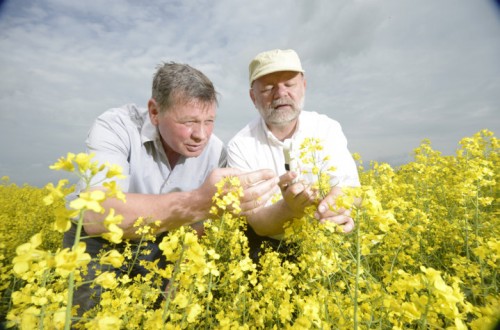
(210, 129)
(262, 101)
(173, 133)
(183, 132)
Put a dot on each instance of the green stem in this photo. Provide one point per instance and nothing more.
(136, 255)
(71, 278)
(172, 289)
(358, 273)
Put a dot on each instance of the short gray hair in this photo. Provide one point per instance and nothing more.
(176, 83)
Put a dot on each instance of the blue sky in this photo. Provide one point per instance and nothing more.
(391, 72)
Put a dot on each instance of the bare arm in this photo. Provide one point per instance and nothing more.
(269, 220)
(179, 208)
(172, 209)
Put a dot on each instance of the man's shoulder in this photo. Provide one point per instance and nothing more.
(251, 131)
(127, 112)
(215, 142)
(315, 120)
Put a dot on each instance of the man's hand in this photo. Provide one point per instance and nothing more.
(258, 187)
(340, 216)
(297, 195)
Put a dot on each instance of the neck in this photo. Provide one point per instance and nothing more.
(285, 131)
(172, 156)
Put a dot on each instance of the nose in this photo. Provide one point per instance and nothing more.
(199, 132)
(281, 90)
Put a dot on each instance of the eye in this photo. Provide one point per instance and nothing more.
(267, 89)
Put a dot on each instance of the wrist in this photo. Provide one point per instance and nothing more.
(200, 204)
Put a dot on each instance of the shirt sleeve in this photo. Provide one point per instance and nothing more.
(346, 174)
(236, 156)
(223, 157)
(109, 140)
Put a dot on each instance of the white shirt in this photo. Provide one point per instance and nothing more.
(255, 147)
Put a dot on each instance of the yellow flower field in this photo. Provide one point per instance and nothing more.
(424, 255)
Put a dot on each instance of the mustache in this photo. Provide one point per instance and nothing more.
(282, 101)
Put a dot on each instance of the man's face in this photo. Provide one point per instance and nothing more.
(279, 96)
(185, 128)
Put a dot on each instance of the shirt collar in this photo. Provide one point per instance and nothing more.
(149, 132)
(270, 136)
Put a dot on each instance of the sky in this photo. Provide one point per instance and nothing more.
(392, 72)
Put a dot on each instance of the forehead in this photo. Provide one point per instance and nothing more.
(193, 108)
(280, 76)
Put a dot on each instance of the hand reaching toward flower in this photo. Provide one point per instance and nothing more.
(327, 211)
(297, 195)
(258, 187)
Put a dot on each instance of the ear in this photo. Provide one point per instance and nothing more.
(252, 95)
(154, 111)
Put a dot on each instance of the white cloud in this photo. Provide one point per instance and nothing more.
(392, 72)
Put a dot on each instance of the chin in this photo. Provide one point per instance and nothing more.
(193, 153)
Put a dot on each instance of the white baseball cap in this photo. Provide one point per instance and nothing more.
(273, 61)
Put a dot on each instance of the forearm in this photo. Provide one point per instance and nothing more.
(270, 220)
(172, 210)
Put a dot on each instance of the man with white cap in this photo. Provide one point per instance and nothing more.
(277, 89)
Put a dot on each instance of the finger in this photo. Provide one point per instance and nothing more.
(286, 180)
(346, 222)
(348, 226)
(259, 190)
(298, 197)
(329, 199)
(253, 205)
(251, 178)
(305, 197)
(331, 212)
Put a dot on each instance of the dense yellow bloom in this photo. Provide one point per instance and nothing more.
(27, 254)
(107, 322)
(423, 254)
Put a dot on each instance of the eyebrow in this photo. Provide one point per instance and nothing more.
(193, 118)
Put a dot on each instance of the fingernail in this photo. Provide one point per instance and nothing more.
(316, 215)
(321, 208)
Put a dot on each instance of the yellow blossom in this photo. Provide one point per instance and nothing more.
(68, 260)
(65, 164)
(114, 171)
(107, 280)
(55, 193)
(89, 201)
(114, 234)
(112, 257)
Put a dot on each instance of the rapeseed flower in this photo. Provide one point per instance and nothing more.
(423, 254)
